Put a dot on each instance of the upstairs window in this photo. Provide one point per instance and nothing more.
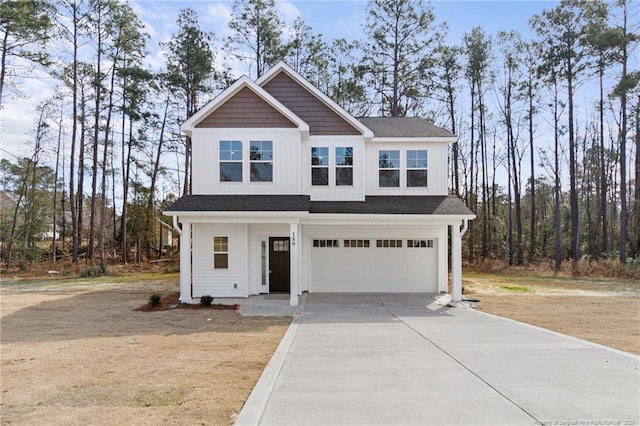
(319, 166)
(416, 168)
(261, 161)
(230, 161)
(389, 168)
(344, 166)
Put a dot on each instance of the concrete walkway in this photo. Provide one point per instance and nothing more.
(389, 359)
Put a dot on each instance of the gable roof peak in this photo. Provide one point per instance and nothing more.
(243, 82)
(282, 67)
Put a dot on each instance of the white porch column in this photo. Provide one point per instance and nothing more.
(294, 259)
(185, 263)
(456, 263)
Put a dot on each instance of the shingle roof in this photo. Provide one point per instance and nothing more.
(404, 127)
(410, 205)
(439, 205)
(246, 203)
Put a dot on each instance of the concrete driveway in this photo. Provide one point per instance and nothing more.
(389, 359)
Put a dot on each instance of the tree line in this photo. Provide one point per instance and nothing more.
(548, 124)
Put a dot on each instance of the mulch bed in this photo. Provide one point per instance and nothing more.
(172, 301)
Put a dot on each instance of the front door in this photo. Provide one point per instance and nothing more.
(279, 272)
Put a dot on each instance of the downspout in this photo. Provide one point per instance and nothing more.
(175, 225)
(465, 227)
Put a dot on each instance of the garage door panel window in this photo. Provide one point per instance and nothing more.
(326, 243)
(389, 243)
(420, 243)
(221, 252)
(356, 243)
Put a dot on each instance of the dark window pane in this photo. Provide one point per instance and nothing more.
(416, 178)
(221, 261)
(230, 172)
(344, 176)
(320, 176)
(261, 172)
(389, 178)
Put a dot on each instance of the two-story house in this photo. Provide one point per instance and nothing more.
(291, 193)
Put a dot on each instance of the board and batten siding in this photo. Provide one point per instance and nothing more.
(321, 119)
(219, 282)
(332, 192)
(404, 266)
(245, 109)
(286, 161)
(437, 164)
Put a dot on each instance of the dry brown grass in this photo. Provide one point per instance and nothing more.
(78, 353)
(603, 268)
(604, 311)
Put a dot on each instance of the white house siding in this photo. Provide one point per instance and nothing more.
(219, 282)
(257, 234)
(437, 157)
(333, 192)
(286, 158)
(374, 269)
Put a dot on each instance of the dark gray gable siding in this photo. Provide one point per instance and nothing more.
(410, 205)
(404, 127)
(321, 119)
(245, 109)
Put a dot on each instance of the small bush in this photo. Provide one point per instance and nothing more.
(96, 271)
(154, 299)
(206, 300)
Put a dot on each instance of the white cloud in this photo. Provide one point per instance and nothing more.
(287, 11)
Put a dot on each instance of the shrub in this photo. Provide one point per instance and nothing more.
(206, 300)
(154, 299)
(93, 271)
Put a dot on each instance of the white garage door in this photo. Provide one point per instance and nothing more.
(384, 265)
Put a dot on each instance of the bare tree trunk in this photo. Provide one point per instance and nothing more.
(556, 171)
(74, 131)
(624, 214)
(154, 177)
(55, 189)
(636, 208)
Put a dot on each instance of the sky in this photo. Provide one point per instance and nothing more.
(331, 18)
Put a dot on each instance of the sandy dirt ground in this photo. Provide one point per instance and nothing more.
(605, 312)
(79, 354)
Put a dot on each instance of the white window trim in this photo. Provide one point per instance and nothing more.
(220, 161)
(250, 162)
(407, 169)
(327, 166)
(220, 251)
(336, 166)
